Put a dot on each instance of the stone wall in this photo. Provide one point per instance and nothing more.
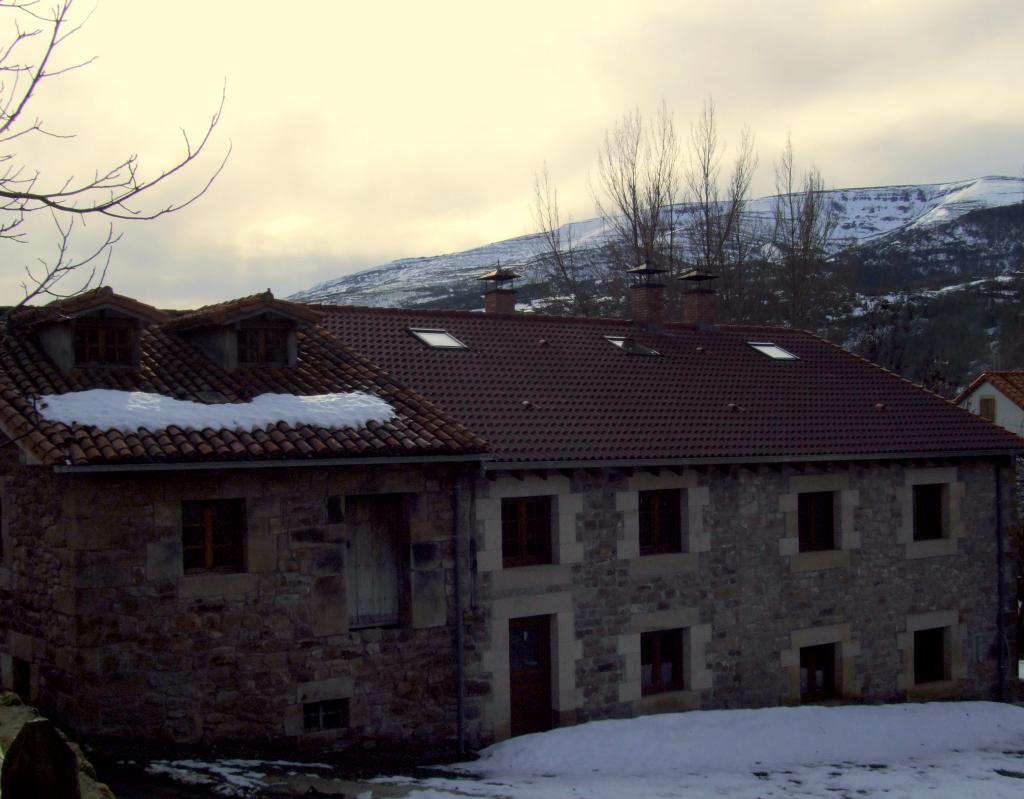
(122, 642)
(747, 599)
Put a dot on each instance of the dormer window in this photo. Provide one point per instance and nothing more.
(263, 343)
(104, 341)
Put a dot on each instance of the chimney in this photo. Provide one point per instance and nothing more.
(500, 297)
(700, 301)
(647, 295)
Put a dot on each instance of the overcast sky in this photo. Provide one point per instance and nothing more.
(364, 132)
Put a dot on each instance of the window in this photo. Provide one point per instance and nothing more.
(21, 679)
(930, 655)
(816, 520)
(630, 345)
(818, 673)
(213, 535)
(661, 661)
(525, 531)
(438, 339)
(661, 521)
(335, 510)
(375, 563)
(331, 714)
(263, 344)
(103, 342)
(929, 519)
(987, 408)
(773, 351)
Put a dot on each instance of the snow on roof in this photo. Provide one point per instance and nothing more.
(135, 410)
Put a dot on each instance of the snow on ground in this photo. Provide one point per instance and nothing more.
(954, 750)
(135, 410)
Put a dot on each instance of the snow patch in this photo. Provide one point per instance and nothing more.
(135, 410)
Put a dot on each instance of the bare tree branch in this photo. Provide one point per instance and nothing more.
(116, 192)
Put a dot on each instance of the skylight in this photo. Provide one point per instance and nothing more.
(630, 345)
(438, 339)
(773, 351)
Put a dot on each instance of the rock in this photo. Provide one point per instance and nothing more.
(39, 763)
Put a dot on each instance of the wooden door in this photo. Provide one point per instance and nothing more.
(529, 660)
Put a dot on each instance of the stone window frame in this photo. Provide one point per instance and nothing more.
(566, 549)
(234, 511)
(697, 538)
(953, 495)
(848, 650)
(697, 676)
(327, 690)
(955, 654)
(846, 534)
(165, 554)
(566, 652)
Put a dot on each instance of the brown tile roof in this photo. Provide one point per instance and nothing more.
(172, 367)
(86, 302)
(1011, 383)
(553, 389)
(223, 313)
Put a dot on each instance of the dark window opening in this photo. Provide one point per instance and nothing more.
(22, 679)
(263, 345)
(930, 655)
(108, 342)
(213, 535)
(525, 531)
(661, 661)
(331, 714)
(661, 528)
(818, 673)
(929, 519)
(816, 520)
(335, 509)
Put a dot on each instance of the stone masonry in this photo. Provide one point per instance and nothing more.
(747, 602)
(122, 643)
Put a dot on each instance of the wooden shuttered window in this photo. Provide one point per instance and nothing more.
(263, 343)
(661, 521)
(374, 565)
(661, 661)
(525, 531)
(104, 342)
(816, 518)
(213, 535)
(987, 408)
(818, 674)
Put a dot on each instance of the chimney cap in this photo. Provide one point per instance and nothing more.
(646, 269)
(698, 277)
(501, 274)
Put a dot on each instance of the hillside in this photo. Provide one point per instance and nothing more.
(903, 235)
(929, 278)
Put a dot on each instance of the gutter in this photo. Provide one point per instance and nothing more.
(460, 657)
(269, 464)
(490, 465)
(1001, 641)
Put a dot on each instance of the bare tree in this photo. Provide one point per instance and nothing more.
(805, 222)
(719, 233)
(117, 192)
(637, 185)
(560, 263)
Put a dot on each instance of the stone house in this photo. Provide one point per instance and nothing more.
(564, 520)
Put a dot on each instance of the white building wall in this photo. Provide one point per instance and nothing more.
(1008, 413)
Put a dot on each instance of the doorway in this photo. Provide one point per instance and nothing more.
(529, 655)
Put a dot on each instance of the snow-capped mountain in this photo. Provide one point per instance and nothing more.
(925, 229)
